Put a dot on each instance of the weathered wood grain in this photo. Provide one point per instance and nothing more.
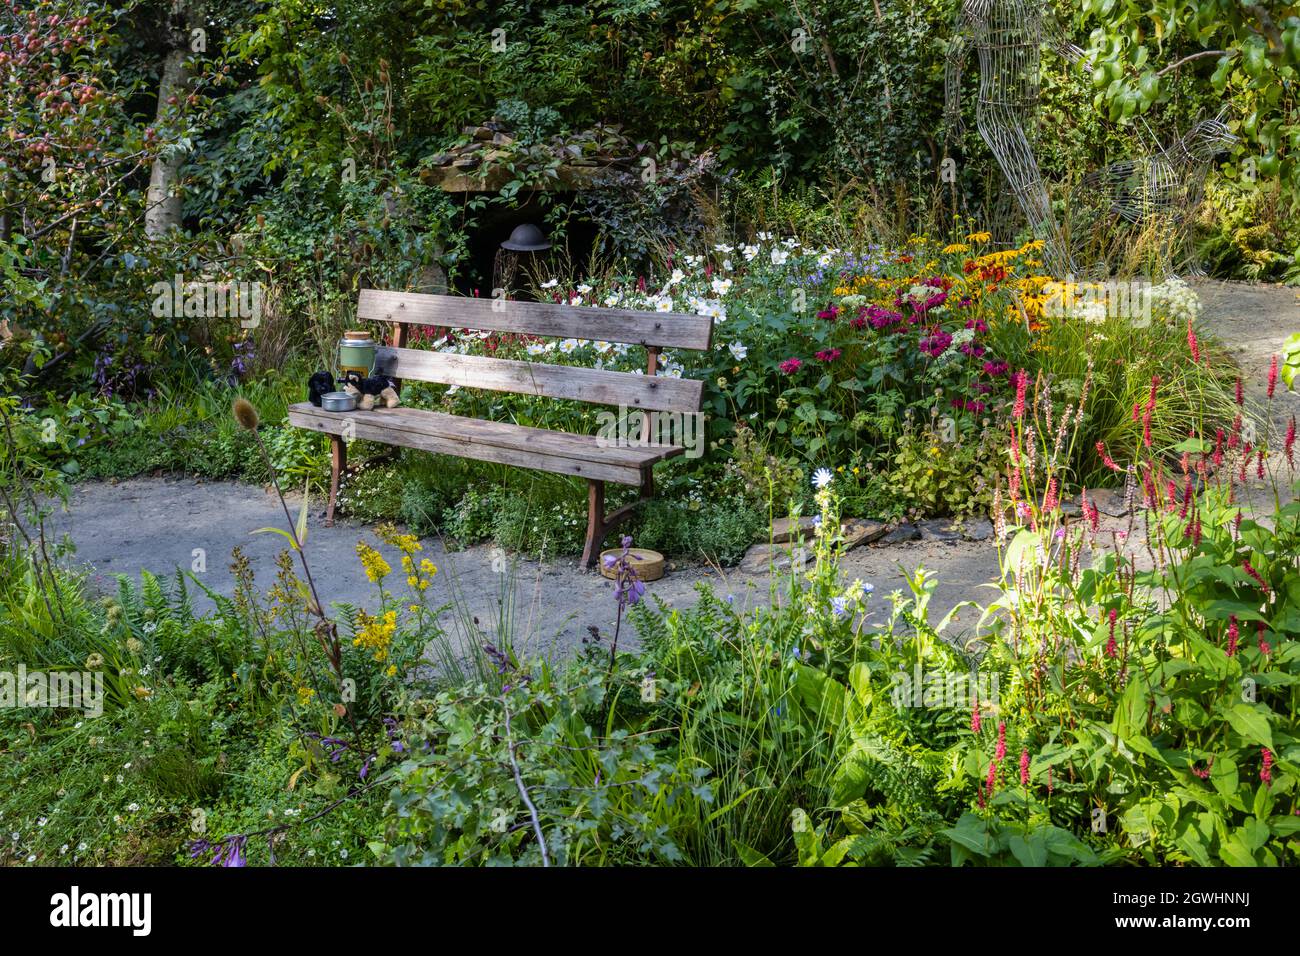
(500, 442)
(597, 386)
(674, 330)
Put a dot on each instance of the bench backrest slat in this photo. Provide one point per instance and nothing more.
(673, 330)
(599, 386)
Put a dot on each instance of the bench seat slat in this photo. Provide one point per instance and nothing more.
(599, 386)
(674, 330)
(501, 442)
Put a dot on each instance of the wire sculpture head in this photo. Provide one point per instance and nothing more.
(1210, 137)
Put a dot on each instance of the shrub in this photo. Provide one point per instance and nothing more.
(721, 531)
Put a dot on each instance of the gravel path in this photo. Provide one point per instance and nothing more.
(160, 524)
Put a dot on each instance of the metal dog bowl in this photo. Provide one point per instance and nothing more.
(338, 402)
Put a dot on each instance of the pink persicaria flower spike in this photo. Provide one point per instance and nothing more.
(1289, 445)
(1266, 766)
(1002, 741)
(1241, 395)
(1259, 463)
(1272, 376)
(1217, 458)
(1192, 343)
(992, 778)
(1151, 407)
(1233, 635)
(1246, 566)
(1105, 458)
(1264, 647)
(1022, 382)
(1089, 511)
(1112, 649)
(1024, 767)
(975, 717)
(1050, 499)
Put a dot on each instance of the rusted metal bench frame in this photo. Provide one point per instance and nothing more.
(505, 443)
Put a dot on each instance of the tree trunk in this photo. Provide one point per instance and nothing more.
(163, 210)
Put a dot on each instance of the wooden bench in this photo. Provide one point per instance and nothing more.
(585, 456)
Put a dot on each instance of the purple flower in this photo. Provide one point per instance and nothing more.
(936, 344)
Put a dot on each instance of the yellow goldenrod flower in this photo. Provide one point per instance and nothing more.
(375, 634)
(406, 543)
(375, 566)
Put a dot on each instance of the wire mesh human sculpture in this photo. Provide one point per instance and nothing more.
(1165, 188)
(1008, 36)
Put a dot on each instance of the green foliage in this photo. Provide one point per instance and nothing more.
(929, 476)
(720, 532)
(1251, 54)
(509, 767)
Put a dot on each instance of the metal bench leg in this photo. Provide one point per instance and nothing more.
(338, 464)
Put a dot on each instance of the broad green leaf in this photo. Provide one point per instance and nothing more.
(1251, 723)
(1031, 851)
